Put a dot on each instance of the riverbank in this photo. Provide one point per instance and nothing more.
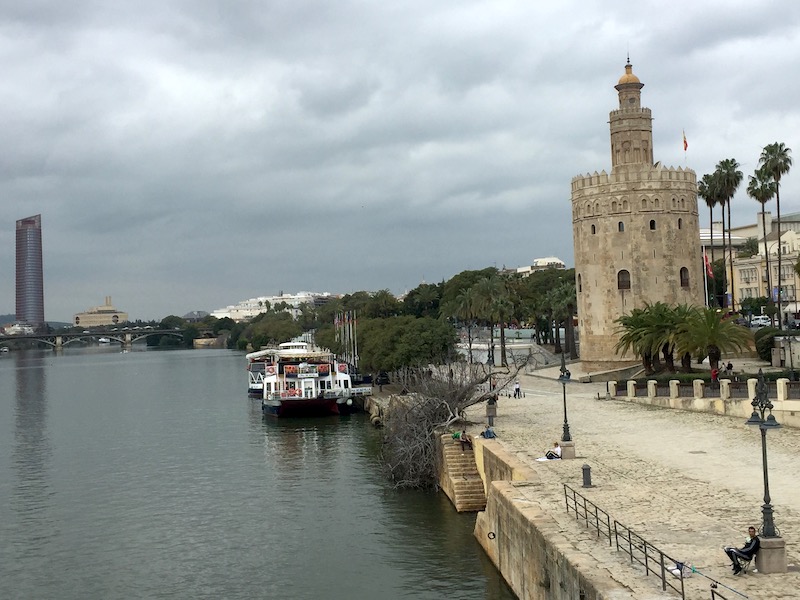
(687, 482)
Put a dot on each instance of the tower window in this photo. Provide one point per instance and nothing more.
(652, 224)
(644, 203)
(580, 286)
(623, 280)
(680, 223)
(621, 226)
(684, 277)
(594, 229)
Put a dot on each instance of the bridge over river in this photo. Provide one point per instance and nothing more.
(125, 338)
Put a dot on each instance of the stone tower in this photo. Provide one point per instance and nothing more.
(636, 231)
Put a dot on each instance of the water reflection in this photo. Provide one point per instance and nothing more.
(31, 496)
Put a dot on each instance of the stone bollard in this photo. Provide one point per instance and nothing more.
(771, 558)
(612, 389)
(631, 388)
(567, 450)
(652, 385)
(698, 386)
(587, 476)
(674, 389)
(724, 389)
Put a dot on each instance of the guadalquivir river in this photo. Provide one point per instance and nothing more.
(150, 474)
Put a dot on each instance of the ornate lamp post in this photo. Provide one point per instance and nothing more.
(761, 404)
(564, 379)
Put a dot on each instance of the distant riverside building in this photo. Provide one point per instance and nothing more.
(30, 280)
(636, 232)
(750, 272)
(100, 315)
(247, 309)
(542, 264)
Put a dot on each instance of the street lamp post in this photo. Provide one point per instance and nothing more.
(761, 404)
(564, 378)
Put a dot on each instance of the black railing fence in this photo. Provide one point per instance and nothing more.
(668, 570)
(585, 510)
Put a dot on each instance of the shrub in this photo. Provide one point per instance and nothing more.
(764, 341)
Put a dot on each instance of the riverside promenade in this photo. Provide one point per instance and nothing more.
(689, 483)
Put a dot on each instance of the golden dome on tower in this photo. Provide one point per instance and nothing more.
(628, 77)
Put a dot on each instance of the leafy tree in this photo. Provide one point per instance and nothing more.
(404, 341)
(382, 305)
(464, 280)
(423, 301)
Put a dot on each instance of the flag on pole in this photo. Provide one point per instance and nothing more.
(708, 266)
(685, 143)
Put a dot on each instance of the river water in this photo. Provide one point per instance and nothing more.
(150, 474)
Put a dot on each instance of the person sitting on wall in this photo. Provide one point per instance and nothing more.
(555, 453)
(745, 553)
(488, 433)
(465, 440)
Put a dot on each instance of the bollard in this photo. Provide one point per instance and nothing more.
(587, 476)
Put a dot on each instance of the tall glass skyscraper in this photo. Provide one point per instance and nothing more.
(30, 281)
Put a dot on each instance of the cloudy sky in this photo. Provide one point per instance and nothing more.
(190, 154)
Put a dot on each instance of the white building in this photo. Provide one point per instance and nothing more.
(247, 309)
(541, 264)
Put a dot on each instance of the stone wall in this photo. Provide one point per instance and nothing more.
(526, 545)
(712, 400)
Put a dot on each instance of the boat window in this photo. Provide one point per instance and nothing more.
(346, 384)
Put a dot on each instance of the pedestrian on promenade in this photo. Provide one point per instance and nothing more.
(745, 553)
(517, 391)
(715, 375)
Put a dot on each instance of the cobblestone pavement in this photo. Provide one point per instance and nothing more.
(689, 483)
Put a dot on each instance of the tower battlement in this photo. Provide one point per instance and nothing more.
(624, 176)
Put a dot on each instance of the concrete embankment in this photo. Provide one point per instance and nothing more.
(688, 482)
(527, 546)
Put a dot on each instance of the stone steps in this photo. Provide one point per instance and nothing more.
(465, 487)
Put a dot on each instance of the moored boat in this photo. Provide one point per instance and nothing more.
(298, 379)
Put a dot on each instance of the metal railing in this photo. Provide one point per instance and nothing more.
(593, 516)
(651, 558)
(636, 547)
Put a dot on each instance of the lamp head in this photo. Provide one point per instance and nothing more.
(755, 420)
(771, 422)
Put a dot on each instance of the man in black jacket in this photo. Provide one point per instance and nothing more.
(745, 553)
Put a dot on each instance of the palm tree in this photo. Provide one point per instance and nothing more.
(707, 332)
(707, 190)
(462, 309)
(761, 188)
(563, 300)
(488, 306)
(634, 330)
(776, 161)
(729, 177)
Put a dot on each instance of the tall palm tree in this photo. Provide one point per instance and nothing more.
(761, 188)
(561, 302)
(462, 308)
(729, 177)
(491, 304)
(776, 160)
(707, 190)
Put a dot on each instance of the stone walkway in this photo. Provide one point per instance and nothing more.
(689, 483)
